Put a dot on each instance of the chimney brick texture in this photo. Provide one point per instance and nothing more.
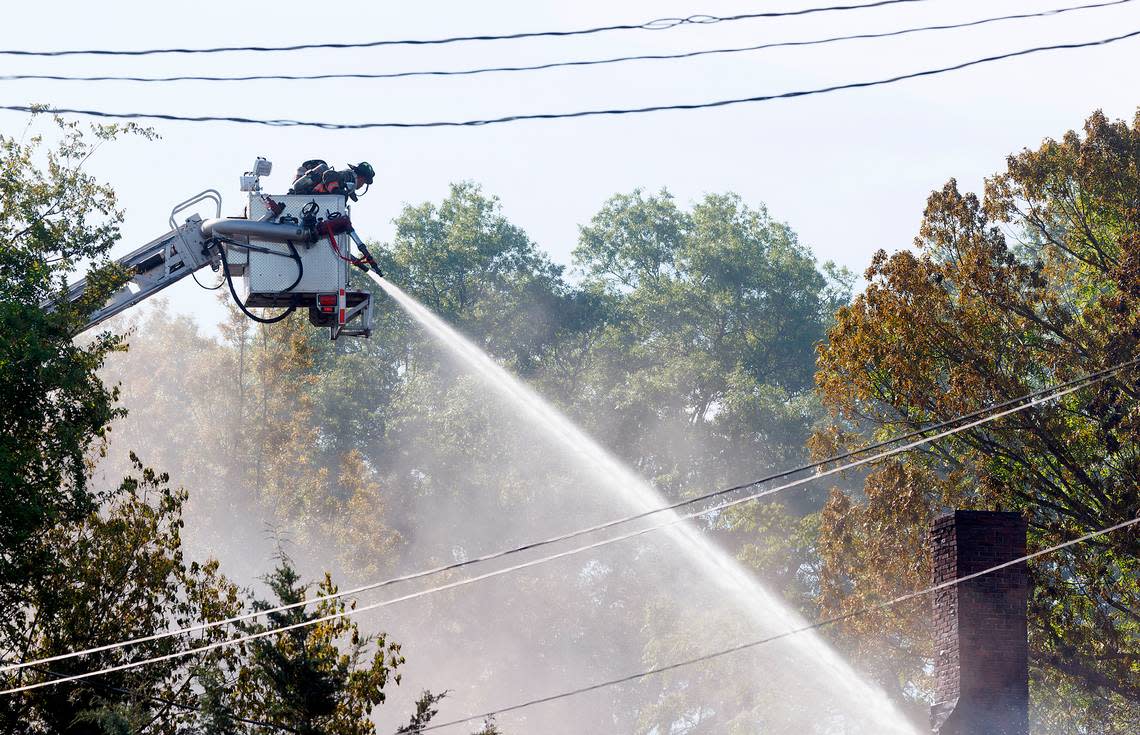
(981, 641)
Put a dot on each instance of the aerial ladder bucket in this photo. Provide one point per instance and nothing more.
(290, 251)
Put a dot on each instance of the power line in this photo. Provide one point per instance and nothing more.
(288, 123)
(652, 25)
(787, 634)
(986, 414)
(1056, 393)
(557, 64)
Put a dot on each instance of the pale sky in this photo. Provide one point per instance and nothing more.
(849, 171)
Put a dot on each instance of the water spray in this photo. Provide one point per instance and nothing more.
(715, 564)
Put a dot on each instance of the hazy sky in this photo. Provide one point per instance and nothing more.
(849, 171)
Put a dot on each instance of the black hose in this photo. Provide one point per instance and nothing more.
(240, 305)
(204, 286)
(300, 265)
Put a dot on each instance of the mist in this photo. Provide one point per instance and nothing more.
(472, 477)
(379, 458)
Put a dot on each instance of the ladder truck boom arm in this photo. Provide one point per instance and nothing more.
(156, 265)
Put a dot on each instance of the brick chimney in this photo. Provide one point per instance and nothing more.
(981, 647)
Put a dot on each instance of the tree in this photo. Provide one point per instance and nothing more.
(116, 574)
(1035, 285)
(700, 375)
(172, 376)
(302, 680)
(55, 410)
(469, 264)
(426, 711)
(78, 568)
(709, 348)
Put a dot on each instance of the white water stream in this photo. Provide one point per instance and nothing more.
(846, 692)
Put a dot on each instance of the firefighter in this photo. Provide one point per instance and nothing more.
(315, 177)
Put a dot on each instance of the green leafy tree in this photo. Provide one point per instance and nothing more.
(78, 568)
(468, 263)
(53, 216)
(1035, 285)
(321, 679)
(708, 351)
(116, 574)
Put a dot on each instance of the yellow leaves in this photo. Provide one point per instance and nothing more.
(873, 551)
(825, 443)
(975, 319)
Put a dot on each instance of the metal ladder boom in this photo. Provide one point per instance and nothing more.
(153, 267)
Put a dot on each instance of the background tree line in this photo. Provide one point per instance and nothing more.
(703, 345)
(686, 346)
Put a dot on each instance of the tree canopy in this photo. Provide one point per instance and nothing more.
(1034, 285)
(702, 343)
(55, 410)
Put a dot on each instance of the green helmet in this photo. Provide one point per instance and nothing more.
(365, 171)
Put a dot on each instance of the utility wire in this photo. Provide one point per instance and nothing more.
(652, 25)
(288, 123)
(677, 519)
(556, 64)
(787, 634)
(1019, 403)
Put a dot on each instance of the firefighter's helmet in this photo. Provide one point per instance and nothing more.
(364, 171)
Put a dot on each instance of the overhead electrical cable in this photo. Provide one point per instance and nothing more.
(789, 633)
(1044, 393)
(556, 64)
(651, 25)
(1055, 393)
(288, 123)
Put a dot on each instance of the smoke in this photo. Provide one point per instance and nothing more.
(180, 390)
(457, 472)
